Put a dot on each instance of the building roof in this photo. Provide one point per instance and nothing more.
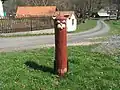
(65, 13)
(25, 11)
(103, 14)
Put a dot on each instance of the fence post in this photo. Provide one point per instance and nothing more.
(1, 26)
(31, 23)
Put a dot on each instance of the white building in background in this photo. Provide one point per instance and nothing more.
(103, 13)
(71, 23)
(1, 9)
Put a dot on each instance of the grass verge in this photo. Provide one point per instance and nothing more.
(86, 26)
(24, 35)
(115, 27)
(114, 30)
(33, 70)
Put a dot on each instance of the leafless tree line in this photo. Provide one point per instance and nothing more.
(81, 7)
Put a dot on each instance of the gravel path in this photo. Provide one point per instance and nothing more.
(21, 43)
(110, 46)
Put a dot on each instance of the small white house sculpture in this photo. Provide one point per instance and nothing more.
(1, 9)
(71, 19)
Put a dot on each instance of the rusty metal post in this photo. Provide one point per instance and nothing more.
(60, 64)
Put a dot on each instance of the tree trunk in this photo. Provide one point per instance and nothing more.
(118, 9)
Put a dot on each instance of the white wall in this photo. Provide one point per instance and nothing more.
(103, 14)
(71, 27)
(1, 9)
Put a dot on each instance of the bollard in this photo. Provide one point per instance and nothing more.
(60, 64)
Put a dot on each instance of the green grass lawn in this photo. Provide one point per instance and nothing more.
(115, 27)
(86, 26)
(33, 70)
(24, 35)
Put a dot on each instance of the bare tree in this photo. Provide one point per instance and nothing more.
(10, 6)
(32, 2)
(79, 6)
(45, 2)
(118, 8)
(110, 10)
(62, 4)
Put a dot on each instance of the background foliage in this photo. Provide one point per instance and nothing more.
(80, 6)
